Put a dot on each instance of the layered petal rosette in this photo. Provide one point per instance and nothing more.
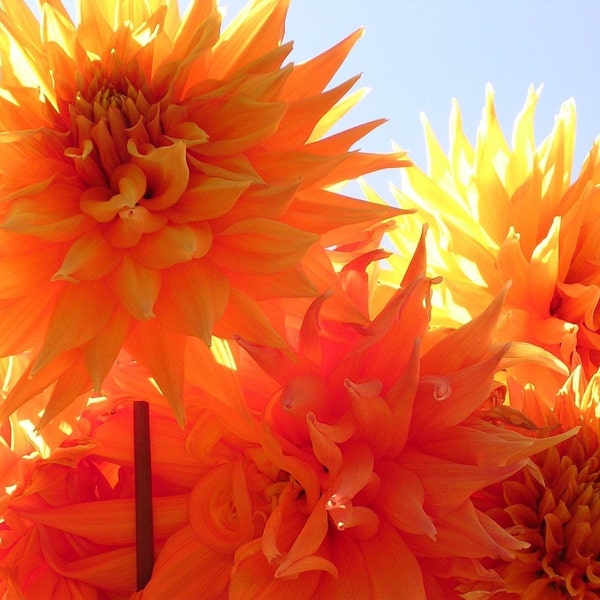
(67, 528)
(162, 179)
(553, 504)
(356, 457)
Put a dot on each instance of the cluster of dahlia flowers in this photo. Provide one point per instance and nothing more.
(347, 398)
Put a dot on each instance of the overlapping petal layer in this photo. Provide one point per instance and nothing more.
(68, 520)
(356, 456)
(552, 504)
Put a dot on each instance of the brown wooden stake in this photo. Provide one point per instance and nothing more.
(144, 533)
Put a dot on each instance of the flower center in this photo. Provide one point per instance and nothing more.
(560, 520)
(131, 152)
(105, 118)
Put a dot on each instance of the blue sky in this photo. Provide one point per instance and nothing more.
(416, 55)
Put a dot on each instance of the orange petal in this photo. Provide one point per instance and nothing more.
(302, 116)
(25, 272)
(103, 205)
(187, 570)
(391, 565)
(193, 297)
(171, 461)
(401, 397)
(543, 270)
(56, 221)
(356, 471)
(131, 224)
(30, 385)
(171, 245)
(260, 246)
(167, 175)
(448, 484)
(253, 578)
(137, 287)
(301, 556)
(112, 522)
(579, 303)
(113, 570)
(244, 318)
(221, 509)
(67, 388)
(100, 353)
(312, 76)
(401, 499)
(239, 124)
(208, 198)
(465, 345)
(334, 210)
(161, 351)
(253, 32)
(80, 313)
(353, 580)
(89, 257)
(467, 390)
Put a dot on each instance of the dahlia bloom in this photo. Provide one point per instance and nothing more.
(498, 214)
(68, 522)
(552, 504)
(341, 468)
(161, 179)
(344, 467)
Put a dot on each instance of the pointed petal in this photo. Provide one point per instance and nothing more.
(401, 499)
(391, 565)
(137, 287)
(255, 30)
(100, 353)
(253, 578)
(260, 246)
(244, 318)
(193, 298)
(186, 569)
(112, 522)
(465, 345)
(68, 386)
(162, 352)
(89, 257)
(448, 484)
(206, 199)
(461, 393)
(80, 313)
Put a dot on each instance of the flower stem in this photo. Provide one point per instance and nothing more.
(143, 493)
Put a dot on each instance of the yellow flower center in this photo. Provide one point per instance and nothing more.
(131, 153)
(560, 519)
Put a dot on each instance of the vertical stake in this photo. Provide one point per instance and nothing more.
(144, 534)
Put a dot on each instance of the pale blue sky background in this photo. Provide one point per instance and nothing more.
(417, 55)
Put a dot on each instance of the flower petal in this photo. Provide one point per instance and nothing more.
(260, 246)
(186, 569)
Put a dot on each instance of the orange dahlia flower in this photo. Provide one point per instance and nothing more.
(344, 469)
(161, 179)
(498, 214)
(553, 504)
(67, 528)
